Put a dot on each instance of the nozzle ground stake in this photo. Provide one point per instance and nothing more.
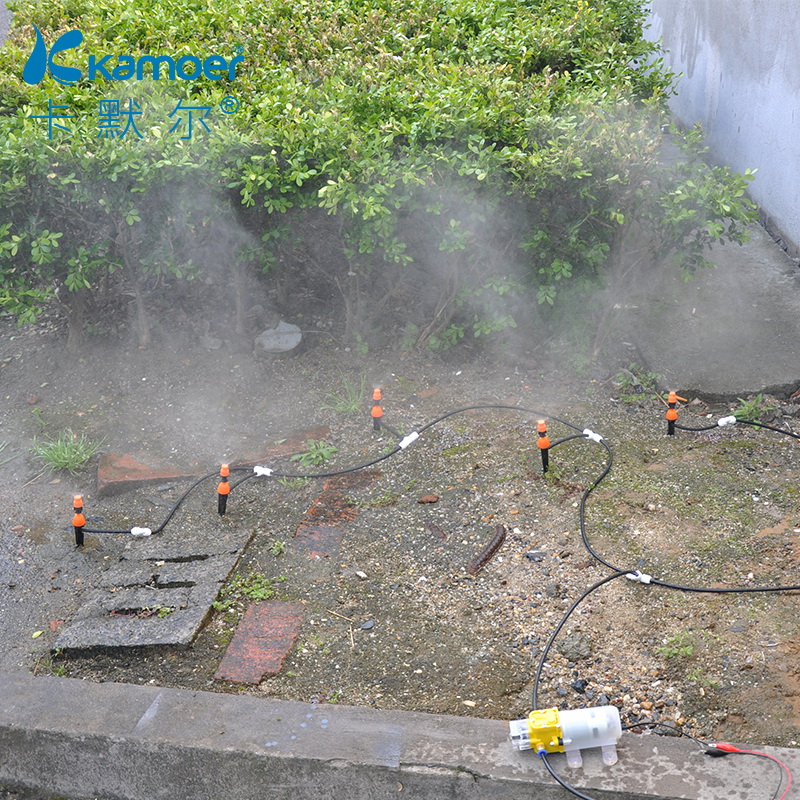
(78, 520)
(377, 410)
(672, 413)
(544, 445)
(223, 489)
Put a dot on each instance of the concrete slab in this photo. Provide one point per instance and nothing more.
(81, 740)
(153, 601)
(261, 643)
(728, 333)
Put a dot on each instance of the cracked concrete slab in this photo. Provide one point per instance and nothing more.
(160, 595)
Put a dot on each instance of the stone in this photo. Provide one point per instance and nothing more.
(280, 339)
(575, 647)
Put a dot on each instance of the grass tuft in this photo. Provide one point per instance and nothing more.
(68, 451)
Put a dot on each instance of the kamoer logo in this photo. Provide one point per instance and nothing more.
(40, 61)
(121, 67)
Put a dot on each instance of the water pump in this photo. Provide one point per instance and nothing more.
(552, 731)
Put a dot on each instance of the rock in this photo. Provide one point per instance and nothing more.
(575, 647)
(429, 498)
(647, 705)
(280, 339)
(580, 686)
(368, 625)
(553, 590)
(534, 555)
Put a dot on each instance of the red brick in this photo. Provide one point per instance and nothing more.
(120, 472)
(321, 531)
(262, 641)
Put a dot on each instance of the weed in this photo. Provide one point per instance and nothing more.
(679, 645)
(697, 676)
(278, 548)
(318, 453)
(362, 348)
(68, 451)
(335, 696)
(50, 664)
(456, 449)
(751, 409)
(36, 413)
(254, 586)
(3, 446)
(386, 498)
(635, 384)
(349, 399)
(293, 483)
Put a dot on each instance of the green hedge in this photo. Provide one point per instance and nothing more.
(441, 166)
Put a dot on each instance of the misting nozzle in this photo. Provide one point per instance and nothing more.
(543, 444)
(377, 410)
(78, 520)
(223, 489)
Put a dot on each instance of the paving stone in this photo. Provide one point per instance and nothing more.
(121, 472)
(321, 531)
(195, 546)
(320, 541)
(261, 642)
(108, 618)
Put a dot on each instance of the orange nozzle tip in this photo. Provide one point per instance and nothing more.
(377, 412)
(377, 395)
(77, 501)
(78, 521)
(682, 399)
(224, 488)
(541, 426)
(224, 471)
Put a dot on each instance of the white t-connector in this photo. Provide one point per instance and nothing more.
(640, 577)
(405, 442)
(141, 531)
(723, 421)
(595, 437)
(264, 472)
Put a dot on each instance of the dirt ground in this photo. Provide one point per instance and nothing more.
(396, 621)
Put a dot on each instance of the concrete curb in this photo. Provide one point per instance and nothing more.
(70, 737)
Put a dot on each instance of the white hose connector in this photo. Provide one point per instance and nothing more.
(723, 421)
(639, 577)
(412, 437)
(595, 437)
(141, 531)
(262, 472)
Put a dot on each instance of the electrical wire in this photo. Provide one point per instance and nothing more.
(616, 572)
(557, 630)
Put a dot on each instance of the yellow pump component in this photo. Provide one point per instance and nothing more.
(544, 730)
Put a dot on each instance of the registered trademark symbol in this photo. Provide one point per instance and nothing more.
(239, 50)
(229, 105)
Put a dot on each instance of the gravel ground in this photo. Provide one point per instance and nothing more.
(396, 620)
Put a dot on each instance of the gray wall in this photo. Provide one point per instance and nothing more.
(740, 79)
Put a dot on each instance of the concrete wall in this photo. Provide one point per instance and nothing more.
(741, 80)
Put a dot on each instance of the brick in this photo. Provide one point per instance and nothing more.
(262, 641)
(121, 472)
